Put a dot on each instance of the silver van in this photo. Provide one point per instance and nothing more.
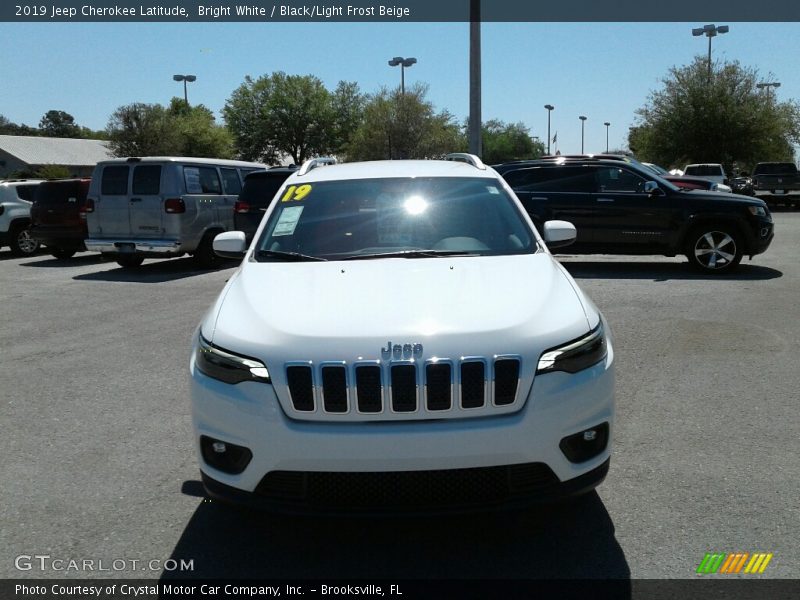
(160, 207)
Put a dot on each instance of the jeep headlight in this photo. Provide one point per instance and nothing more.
(226, 366)
(576, 355)
(757, 211)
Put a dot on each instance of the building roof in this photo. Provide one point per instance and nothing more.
(34, 150)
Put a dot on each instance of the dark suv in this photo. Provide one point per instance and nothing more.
(254, 199)
(618, 206)
(58, 216)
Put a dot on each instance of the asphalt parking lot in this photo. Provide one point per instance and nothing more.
(98, 461)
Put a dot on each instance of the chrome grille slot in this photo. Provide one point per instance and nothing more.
(473, 384)
(301, 387)
(438, 386)
(368, 389)
(404, 388)
(334, 389)
(506, 380)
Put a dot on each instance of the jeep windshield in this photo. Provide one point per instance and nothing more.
(423, 217)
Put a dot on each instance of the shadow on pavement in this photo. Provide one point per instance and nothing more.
(661, 271)
(48, 261)
(155, 271)
(572, 540)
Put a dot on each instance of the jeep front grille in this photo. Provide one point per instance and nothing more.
(440, 388)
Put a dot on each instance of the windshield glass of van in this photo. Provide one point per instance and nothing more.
(407, 217)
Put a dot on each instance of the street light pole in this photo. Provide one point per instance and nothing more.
(767, 86)
(710, 31)
(475, 120)
(583, 122)
(607, 124)
(549, 107)
(403, 62)
(184, 79)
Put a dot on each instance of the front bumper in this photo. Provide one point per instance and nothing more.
(249, 415)
(153, 248)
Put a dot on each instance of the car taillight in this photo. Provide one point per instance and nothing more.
(87, 208)
(174, 205)
(241, 207)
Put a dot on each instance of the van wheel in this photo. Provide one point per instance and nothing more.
(713, 249)
(204, 256)
(129, 262)
(63, 253)
(21, 242)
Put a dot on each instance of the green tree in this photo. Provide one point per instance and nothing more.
(9, 128)
(53, 172)
(397, 125)
(278, 115)
(57, 123)
(140, 129)
(728, 120)
(198, 131)
(504, 142)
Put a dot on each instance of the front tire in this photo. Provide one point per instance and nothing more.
(713, 249)
(63, 253)
(129, 261)
(22, 243)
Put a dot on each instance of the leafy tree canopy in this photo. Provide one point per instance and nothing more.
(398, 125)
(503, 142)
(57, 123)
(727, 120)
(281, 115)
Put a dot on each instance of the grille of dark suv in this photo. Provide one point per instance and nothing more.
(440, 387)
(408, 489)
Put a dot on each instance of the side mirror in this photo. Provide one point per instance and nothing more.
(231, 244)
(652, 188)
(559, 233)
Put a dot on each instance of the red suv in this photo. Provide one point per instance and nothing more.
(58, 216)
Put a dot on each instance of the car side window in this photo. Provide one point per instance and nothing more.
(202, 180)
(114, 181)
(230, 181)
(147, 180)
(26, 192)
(551, 179)
(614, 179)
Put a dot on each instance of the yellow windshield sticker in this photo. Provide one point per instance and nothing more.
(296, 192)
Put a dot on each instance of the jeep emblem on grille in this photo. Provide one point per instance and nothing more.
(401, 350)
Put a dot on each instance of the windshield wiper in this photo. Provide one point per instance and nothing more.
(413, 254)
(294, 256)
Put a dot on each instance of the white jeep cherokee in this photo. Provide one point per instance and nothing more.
(399, 337)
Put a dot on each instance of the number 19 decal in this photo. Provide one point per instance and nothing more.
(296, 192)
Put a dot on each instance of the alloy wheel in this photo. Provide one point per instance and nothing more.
(715, 250)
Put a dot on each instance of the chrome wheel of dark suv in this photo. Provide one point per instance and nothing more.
(714, 250)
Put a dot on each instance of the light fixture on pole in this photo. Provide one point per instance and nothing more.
(184, 79)
(403, 63)
(607, 124)
(583, 122)
(549, 107)
(765, 85)
(710, 31)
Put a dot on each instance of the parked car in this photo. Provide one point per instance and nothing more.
(620, 207)
(742, 184)
(483, 395)
(162, 207)
(58, 216)
(697, 183)
(688, 183)
(15, 215)
(776, 182)
(713, 171)
(259, 189)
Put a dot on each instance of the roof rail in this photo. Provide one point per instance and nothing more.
(464, 157)
(314, 163)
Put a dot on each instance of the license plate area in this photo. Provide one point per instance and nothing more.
(125, 247)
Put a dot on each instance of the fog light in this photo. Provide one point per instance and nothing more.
(224, 456)
(584, 445)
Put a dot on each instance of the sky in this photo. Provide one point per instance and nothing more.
(604, 71)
